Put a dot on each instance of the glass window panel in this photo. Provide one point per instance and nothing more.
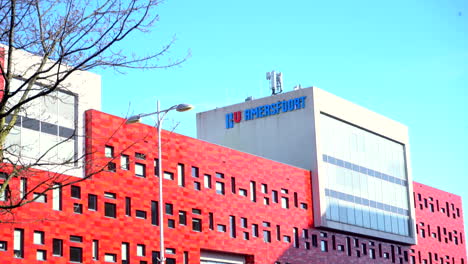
(66, 103)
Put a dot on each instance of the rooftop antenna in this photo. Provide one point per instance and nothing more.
(276, 82)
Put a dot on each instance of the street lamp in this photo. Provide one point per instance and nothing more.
(136, 119)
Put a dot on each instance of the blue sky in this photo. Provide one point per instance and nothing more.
(407, 60)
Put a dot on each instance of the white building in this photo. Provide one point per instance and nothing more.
(359, 159)
(52, 126)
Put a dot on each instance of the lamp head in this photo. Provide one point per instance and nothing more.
(184, 107)
(133, 119)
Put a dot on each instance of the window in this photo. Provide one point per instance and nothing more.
(233, 185)
(5, 195)
(196, 211)
(95, 249)
(3, 246)
(140, 170)
(76, 254)
(111, 167)
(141, 250)
(77, 208)
(253, 191)
(220, 188)
(181, 175)
(110, 195)
(182, 218)
(92, 202)
(169, 209)
(371, 253)
(154, 213)
(168, 175)
(124, 162)
(274, 196)
(140, 156)
(57, 247)
(40, 197)
(128, 206)
(219, 175)
(254, 230)
(41, 255)
(207, 182)
(18, 243)
(195, 172)
(266, 236)
(264, 188)
(243, 222)
(38, 238)
(266, 201)
(323, 246)
(287, 239)
(284, 191)
(156, 167)
(76, 239)
(125, 249)
(56, 197)
(284, 202)
(196, 224)
(110, 210)
(221, 228)
(109, 152)
(246, 235)
(243, 192)
(304, 206)
(211, 220)
(24, 189)
(108, 257)
(232, 226)
(197, 186)
(140, 214)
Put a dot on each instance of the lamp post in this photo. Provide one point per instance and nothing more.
(160, 119)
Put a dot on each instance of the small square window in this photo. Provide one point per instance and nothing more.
(141, 250)
(140, 214)
(304, 206)
(171, 223)
(77, 208)
(111, 167)
(284, 202)
(76, 254)
(285, 191)
(169, 209)
(195, 172)
(266, 201)
(221, 228)
(3, 246)
(40, 197)
(140, 156)
(220, 188)
(108, 257)
(109, 152)
(219, 175)
(140, 170)
(41, 255)
(38, 238)
(110, 210)
(243, 192)
(76, 192)
(264, 188)
(196, 211)
(197, 186)
(196, 224)
(171, 251)
(168, 175)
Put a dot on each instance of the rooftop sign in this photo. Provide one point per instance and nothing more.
(265, 111)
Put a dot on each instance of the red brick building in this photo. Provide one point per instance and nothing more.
(217, 200)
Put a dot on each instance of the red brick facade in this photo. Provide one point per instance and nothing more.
(238, 210)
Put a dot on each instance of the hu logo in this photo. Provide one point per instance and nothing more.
(232, 118)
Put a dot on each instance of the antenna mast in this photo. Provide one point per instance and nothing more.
(276, 82)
